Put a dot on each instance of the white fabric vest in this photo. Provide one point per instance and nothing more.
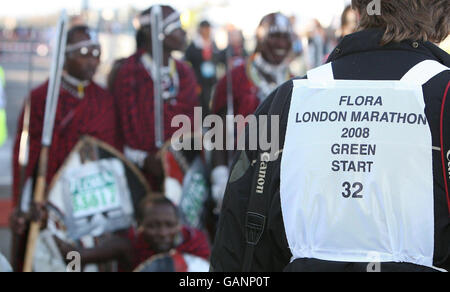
(357, 170)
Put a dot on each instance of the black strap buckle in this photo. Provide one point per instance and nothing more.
(255, 224)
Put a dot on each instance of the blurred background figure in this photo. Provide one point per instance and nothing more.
(159, 232)
(251, 83)
(235, 49)
(297, 46)
(297, 62)
(203, 55)
(319, 44)
(349, 23)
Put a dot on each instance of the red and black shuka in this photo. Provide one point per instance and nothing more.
(93, 115)
(134, 95)
(190, 241)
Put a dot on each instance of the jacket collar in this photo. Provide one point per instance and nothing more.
(369, 40)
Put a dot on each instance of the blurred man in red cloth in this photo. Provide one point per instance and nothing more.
(252, 83)
(84, 108)
(133, 88)
(159, 231)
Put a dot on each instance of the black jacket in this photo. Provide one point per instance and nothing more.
(358, 57)
(194, 56)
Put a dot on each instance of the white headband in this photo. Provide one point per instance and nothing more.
(169, 28)
(87, 43)
(281, 25)
(170, 23)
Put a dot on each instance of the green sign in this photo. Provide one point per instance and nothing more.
(94, 194)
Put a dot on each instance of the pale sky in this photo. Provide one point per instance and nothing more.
(245, 14)
(17, 8)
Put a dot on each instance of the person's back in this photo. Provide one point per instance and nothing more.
(351, 61)
(292, 244)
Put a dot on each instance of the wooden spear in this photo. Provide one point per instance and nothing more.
(47, 134)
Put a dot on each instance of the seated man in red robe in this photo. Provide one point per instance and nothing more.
(252, 83)
(159, 232)
(133, 88)
(84, 108)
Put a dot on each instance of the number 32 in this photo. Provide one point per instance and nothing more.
(358, 187)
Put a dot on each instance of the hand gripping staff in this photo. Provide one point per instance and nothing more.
(157, 54)
(47, 134)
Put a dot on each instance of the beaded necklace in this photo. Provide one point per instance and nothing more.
(258, 68)
(169, 80)
(70, 82)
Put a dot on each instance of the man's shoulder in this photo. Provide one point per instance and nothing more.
(437, 87)
(276, 103)
(127, 65)
(39, 94)
(239, 74)
(443, 78)
(99, 92)
(240, 77)
(193, 234)
(126, 72)
(99, 88)
(240, 71)
(184, 67)
(191, 47)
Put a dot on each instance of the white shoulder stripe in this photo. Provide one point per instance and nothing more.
(424, 72)
(321, 76)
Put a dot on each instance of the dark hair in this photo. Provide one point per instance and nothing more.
(76, 30)
(441, 17)
(141, 38)
(143, 35)
(205, 23)
(154, 200)
(400, 19)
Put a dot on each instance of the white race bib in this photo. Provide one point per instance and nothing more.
(357, 173)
